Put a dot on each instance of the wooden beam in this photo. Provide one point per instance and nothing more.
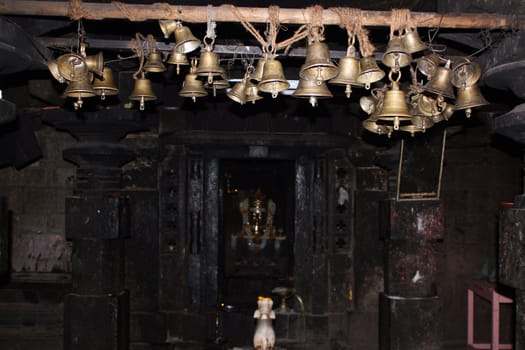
(223, 13)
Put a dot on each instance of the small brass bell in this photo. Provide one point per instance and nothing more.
(426, 106)
(273, 80)
(209, 66)
(468, 98)
(105, 86)
(72, 67)
(412, 42)
(368, 104)
(154, 63)
(238, 92)
(142, 91)
(53, 69)
(395, 107)
(252, 92)
(167, 27)
(428, 64)
(312, 90)
(79, 89)
(447, 112)
(192, 87)
(440, 83)
(184, 40)
(371, 125)
(257, 74)
(348, 72)
(178, 59)
(396, 55)
(465, 73)
(369, 71)
(318, 65)
(95, 63)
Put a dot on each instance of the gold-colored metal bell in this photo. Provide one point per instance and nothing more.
(396, 55)
(252, 92)
(425, 105)
(95, 63)
(72, 67)
(369, 71)
(53, 69)
(257, 74)
(395, 107)
(220, 84)
(348, 72)
(79, 89)
(422, 122)
(465, 73)
(412, 42)
(238, 92)
(192, 87)
(318, 64)
(105, 86)
(371, 125)
(412, 129)
(368, 104)
(440, 83)
(184, 40)
(273, 80)
(142, 92)
(312, 90)
(468, 98)
(168, 27)
(428, 64)
(209, 66)
(178, 59)
(154, 63)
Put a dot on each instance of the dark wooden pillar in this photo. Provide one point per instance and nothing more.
(410, 303)
(96, 313)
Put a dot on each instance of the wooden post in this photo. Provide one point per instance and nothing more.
(223, 13)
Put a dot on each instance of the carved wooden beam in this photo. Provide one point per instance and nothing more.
(198, 14)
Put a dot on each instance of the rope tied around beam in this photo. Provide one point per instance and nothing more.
(247, 25)
(351, 19)
(131, 14)
(139, 51)
(401, 19)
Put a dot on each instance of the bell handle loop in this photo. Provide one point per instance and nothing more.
(208, 45)
(350, 50)
(351, 41)
(391, 74)
(269, 48)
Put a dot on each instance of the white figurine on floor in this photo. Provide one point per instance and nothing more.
(264, 337)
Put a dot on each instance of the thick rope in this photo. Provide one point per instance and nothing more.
(139, 51)
(248, 26)
(315, 19)
(273, 26)
(133, 16)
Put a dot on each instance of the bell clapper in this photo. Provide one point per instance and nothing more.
(142, 105)
(78, 103)
(396, 123)
(178, 69)
(468, 112)
(348, 90)
(194, 99)
(103, 95)
(313, 101)
(274, 91)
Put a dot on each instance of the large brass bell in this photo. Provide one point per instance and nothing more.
(465, 73)
(395, 107)
(184, 40)
(95, 63)
(312, 90)
(72, 67)
(468, 98)
(105, 86)
(79, 89)
(348, 72)
(273, 80)
(192, 87)
(252, 92)
(178, 59)
(238, 92)
(412, 42)
(209, 66)
(53, 69)
(154, 63)
(369, 71)
(396, 55)
(440, 83)
(318, 64)
(428, 64)
(142, 92)
(257, 74)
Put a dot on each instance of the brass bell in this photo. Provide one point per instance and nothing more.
(154, 63)
(395, 107)
(425, 105)
(447, 112)
(371, 125)
(209, 66)
(252, 92)
(368, 104)
(369, 71)
(257, 74)
(273, 80)
(312, 90)
(215, 85)
(428, 64)
(348, 72)
(465, 73)
(192, 87)
(178, 59)
(72, 67)
(412, 129)
(105, 86)
(79, 89)
(396, 55)
(167, 27)
(142, 91)
(95, 63)
(412, 42)
(238, 92)
(422, 122)
(468, 98)
(184, 40)
(318, 65)
(53, 69)
(440, 83)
